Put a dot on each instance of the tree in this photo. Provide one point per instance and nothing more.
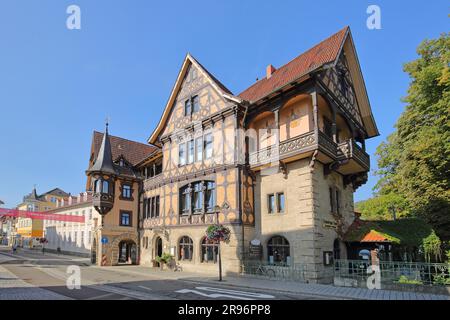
(414, 162)
(381, 207)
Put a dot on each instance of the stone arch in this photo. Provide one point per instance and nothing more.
(115, 246)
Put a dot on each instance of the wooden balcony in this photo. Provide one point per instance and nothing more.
(153, 182)
(353, 158)
(304, 145)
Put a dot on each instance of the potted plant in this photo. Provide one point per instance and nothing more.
(163, 259)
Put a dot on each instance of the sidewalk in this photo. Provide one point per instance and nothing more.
(13, 288)
(285, 286)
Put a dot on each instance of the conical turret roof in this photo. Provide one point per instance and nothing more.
(104, 161)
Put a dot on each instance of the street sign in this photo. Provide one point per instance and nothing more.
(104, 240)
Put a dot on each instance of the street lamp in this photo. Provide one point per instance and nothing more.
(217, 210)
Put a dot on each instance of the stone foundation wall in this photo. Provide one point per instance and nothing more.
(231, 251)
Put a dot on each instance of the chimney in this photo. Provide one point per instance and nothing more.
(270, 70)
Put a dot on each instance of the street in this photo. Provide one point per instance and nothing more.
(49, 273)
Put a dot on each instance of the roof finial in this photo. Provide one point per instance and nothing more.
(107, 123)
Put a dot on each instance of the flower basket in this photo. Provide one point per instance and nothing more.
(218, 233)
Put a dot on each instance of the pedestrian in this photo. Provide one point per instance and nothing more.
(43, 250)
(14, 248)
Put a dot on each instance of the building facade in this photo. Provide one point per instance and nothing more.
(278, 164)
(28, 231)
(70, 237)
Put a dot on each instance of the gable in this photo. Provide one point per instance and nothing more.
(195, 84)
(359, 87)
(193, 79)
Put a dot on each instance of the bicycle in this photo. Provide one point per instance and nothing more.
(265, 271)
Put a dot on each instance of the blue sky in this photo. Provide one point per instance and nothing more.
(58, 85)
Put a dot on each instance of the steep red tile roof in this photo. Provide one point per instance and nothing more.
(134, 152)
(324, 52)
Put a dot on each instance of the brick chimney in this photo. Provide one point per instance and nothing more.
(270, 70)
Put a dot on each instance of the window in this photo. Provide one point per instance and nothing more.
(151, 207)
(271, 203)
(187, 107)
(126, 191)
(208, 146)
(125, 218)
(182, 154)
(197, 197)
(338, 201)
(335, 200)
(199, 149)
(331, 192)
(195, 104)
(190, 150)
(210, 251)
(278, 250)
(191, 106)
(186, 248)
(210, 196)
(280, 202)
(105, 186)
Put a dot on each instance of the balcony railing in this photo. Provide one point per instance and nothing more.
(306, 143)
(153, 182)
(284, 149)
(198, 219)
(350, 150)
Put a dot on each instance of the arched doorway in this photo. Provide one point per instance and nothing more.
(127, 252)
(158, 247)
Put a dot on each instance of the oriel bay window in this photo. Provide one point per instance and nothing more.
(103, 185)
(198, 197)
(186, 247)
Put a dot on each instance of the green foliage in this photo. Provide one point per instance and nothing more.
(404, 232)
(441, 279)
(414, 162)
(432, 247)
(164, 258)
(405, 280)
(381, 207)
